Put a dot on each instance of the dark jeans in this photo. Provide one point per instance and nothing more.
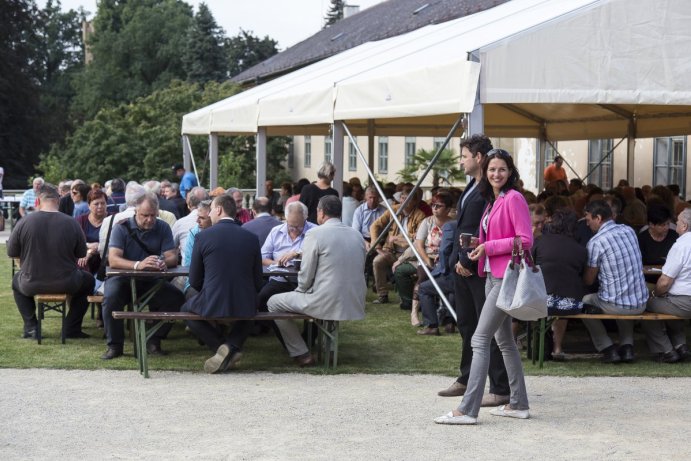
(272, 287)
(428, 298)
(80, 286)
(210, 335)
(117, 295)
(470, 297)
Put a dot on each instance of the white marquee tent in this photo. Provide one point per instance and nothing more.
(546, 69)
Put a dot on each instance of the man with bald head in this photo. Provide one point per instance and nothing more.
(49, 262)
(136, 244)
(263, 222)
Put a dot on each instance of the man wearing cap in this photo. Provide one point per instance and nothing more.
(187, 179)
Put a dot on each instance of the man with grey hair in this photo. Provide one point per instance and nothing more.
(672, 295)
(333, 256)
(368, 212)
(182, 226)
(49, 263)
(282, 246)
(263, 222)
(242, 214)
(141, 243)
(28, 202)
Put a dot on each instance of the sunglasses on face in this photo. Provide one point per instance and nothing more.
(436, 206)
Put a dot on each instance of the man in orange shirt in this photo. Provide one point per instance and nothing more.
(555, 173)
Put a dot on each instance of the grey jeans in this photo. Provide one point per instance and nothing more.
(664, 335)
(493, 323)
(597, 330)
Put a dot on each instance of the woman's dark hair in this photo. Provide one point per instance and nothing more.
(443, 197)
(563, 222)
(83, 190)
(658, 213)
(484, 187)
(288, 187)
(554, 203)
(95, 194)
(300, 184)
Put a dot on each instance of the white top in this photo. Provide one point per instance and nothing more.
(350, 204)
(182, 227)
(678, 266)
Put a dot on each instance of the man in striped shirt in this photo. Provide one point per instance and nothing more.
(614, 258)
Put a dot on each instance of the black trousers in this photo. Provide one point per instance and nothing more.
(80, 286)
(117, 295)
(470, 297)
(210, 335)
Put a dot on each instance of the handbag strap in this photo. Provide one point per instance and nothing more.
(518, 255)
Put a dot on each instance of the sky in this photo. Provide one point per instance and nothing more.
(287, 22)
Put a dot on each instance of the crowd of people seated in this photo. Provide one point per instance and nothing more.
(590, 243)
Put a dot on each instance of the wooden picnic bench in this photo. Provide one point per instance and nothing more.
(327, 339)
(58, 302)
(545, 321)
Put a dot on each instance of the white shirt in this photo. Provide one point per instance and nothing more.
(349, 206)
(182, 227)
(678, 266)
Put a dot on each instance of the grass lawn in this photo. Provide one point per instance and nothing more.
(382, 343)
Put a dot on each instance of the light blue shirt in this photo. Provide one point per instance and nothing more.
(187, 182)
(28, 200)
(279, 242)
(187, 252)
(364, 217)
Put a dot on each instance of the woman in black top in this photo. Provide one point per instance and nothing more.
(562, 260)
(311, 193)
(658, 238)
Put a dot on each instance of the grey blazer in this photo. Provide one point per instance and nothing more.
(331, 282)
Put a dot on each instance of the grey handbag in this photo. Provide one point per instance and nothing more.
(523, 294)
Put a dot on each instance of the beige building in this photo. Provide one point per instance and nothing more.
(657, 160)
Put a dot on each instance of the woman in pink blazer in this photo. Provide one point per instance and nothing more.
(506, 216)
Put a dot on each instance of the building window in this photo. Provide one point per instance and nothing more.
(670, 162)
(352, 155)
(601, 176)
(438, 142)
(383, 154)
(550, 153)
(328, 150)
(409, 150)
(308, 151)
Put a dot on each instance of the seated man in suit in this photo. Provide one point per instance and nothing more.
(225, 290)
(263, 222)
(333, 255)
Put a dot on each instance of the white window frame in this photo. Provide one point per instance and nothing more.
(383, 155)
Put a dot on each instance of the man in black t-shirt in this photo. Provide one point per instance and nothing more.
(48, 244)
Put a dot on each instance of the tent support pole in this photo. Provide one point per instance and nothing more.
(370, 173)
(630, 150)
(213, 161)
(261, 161)
(337, 139)
(188, 156)
(370, 144)
(541, 154)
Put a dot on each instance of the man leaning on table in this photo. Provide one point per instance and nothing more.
(331, 281)
(672, 295)
(224, 289)
(136, 244)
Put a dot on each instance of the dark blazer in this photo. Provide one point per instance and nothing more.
(562, 260)
(226, 270)
(261, 227)
(468, 222)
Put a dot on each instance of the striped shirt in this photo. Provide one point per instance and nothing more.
(614, 251)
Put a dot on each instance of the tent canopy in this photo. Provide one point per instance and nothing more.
(567, 69)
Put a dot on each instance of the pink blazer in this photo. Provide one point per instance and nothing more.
(509, 217)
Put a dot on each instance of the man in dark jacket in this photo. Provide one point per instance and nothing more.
(225, 289)
(263, 222)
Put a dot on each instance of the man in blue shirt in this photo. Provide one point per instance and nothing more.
(28, 203)
(187, 179)
(140, 243)
(614, 259)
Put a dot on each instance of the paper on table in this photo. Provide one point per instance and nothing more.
(654, 269)
(276, 268)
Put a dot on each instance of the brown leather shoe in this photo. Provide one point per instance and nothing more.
(427, 331)
(494, 400)
(455, 390)
(305, 360)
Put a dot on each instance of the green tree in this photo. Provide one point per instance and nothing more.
(335, 13)
(245, 50)
(20, 142)
(445, 172)
(204, 57)
(136, 51)
(135, 141)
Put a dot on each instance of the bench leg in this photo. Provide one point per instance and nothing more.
(543, 332)
(39, 318)
(336, 330)
(143, 353)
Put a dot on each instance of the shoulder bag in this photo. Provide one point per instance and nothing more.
(523, 294)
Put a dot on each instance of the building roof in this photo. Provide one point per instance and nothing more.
(384, 20)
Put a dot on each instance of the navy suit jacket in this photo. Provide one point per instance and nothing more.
(468, 222)
(261, 227)
(226, 269)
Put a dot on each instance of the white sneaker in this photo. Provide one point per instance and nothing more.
(449, 418)
(503, 410)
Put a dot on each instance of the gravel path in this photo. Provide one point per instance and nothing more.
(57, 414)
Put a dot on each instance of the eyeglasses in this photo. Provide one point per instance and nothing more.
(436, 206)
